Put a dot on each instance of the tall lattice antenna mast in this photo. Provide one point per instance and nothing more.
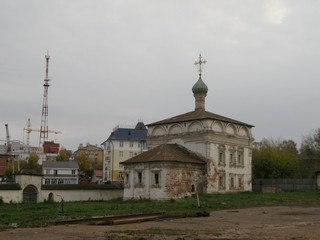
(44, 118)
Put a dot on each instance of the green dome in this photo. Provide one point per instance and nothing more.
(199, 87)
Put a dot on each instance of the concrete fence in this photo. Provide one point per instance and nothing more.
(285, 185)
(29, 188)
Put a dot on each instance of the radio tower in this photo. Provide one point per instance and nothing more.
(44, 119)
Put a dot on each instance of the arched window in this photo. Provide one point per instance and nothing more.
(193, 189)
(51, 197)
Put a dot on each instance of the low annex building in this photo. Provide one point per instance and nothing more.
(220, 147)
(166, 171)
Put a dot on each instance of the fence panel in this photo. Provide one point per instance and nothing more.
(286, 185)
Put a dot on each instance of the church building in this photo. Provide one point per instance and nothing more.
(195, 152)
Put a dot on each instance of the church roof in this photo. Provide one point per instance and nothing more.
(167, 153)
(198, 115)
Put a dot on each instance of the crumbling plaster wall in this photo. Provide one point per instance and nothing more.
(175, 180)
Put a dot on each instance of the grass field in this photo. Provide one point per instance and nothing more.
(41, 214)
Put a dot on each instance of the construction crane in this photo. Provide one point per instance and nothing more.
(28, 129)
(8, 139)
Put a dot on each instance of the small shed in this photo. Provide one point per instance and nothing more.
(97, 176)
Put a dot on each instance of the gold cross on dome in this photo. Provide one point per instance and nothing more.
(200, 62)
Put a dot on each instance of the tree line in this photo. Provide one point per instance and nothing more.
(282, 158)
(270, 159)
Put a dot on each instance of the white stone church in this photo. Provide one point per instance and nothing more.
(195, 152)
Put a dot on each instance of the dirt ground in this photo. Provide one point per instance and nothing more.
(253, 223)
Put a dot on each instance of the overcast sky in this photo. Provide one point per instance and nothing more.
(117, 62)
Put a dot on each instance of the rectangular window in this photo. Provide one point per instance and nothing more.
(130, 154)
(232, 159)
(73, 172)
(60, 181)
(140, 177)
(126, 178)
(121, 154)
(121, 144)
(55, 172)
(156, 179)
(131, 144)
(221, 182)
(120, 175)
(47, 171)
(47, 181)
(221, 158)
(240, 182)
(240, 161)
(231, 182)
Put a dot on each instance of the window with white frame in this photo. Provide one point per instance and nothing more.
(240, 160)
(53, 181)
(121, 144)
(130, 154)
(222, 181)
(121, 154)
(126, 178)
(155, 181)
(232, 158)
(240, 181)
(231, 182)
(131, 144)
(138, 178)
(221, 156)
